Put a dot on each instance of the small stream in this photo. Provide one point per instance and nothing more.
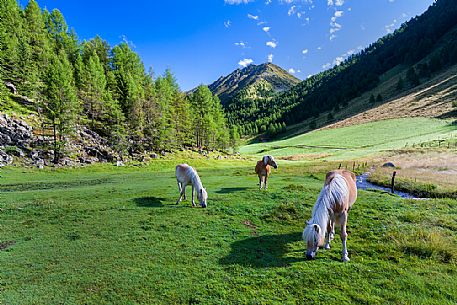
(364, 184)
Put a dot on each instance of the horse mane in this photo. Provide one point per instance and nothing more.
(195, 178)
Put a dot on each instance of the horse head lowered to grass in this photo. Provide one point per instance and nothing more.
(263, 170)
(185, 175)
(335, 199)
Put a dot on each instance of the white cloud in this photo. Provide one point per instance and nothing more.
(253, 17)
(232, 2)
(391, 1)
(245, 62)
(227, 23)
(326, 66)
(272, 44)
(292, 10)
(335, 2)
(334, 26)
(267, 2)
(391, 27)
(266, 29)
(241, 44)
(292, 71)
(305, 51)
(338, 61)
(270, 57)
(127, 41)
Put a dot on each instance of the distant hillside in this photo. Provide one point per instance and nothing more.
(256, 80)
(411, 67)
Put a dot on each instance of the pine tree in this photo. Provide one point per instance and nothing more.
(94, 94)
(400, 84)
(60, 103)
(220, 135)
(11, 34)
(330, 117)
(165, 87)
(372, 99)
(412, 77)
(234, 138)
(37, 38)
(201, 102)
(129, 79)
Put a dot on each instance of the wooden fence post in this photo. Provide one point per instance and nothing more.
(392, 187)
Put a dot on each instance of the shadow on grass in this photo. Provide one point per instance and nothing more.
(264, 251)
(229, 190)
(149, 202)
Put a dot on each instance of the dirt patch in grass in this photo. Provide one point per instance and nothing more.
(6, 244)
(251, 226)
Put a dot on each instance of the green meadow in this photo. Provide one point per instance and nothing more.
(113, 235)
(358, 141)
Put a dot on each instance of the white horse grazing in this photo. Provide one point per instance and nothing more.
(185, 175)
(333, 204)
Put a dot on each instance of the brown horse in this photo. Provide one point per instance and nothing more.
(263, 170)
(336, 198)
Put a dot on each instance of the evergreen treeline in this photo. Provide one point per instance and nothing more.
(105, 88)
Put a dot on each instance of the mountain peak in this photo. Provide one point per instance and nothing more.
(226, 87)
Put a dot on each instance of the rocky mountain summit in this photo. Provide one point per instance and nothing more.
(270, 76)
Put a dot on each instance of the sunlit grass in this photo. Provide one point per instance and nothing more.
(105, 234)
(358, 141)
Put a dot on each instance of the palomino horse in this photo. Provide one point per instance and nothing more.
(185, 175)
(263, 170)
(333, 204)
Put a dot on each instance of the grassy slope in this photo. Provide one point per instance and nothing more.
(114, 235)
(358, 141)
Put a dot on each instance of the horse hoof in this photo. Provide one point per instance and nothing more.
(327, 247)
(345, 259)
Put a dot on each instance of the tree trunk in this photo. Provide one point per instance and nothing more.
(56, 154)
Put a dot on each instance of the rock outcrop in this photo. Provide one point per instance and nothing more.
(18, 142)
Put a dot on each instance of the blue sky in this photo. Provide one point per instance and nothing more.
(200, 40)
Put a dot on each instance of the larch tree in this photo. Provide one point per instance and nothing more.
(60, 102)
